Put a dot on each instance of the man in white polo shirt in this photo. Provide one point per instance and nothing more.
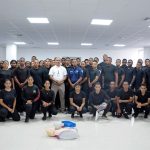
(58, 75)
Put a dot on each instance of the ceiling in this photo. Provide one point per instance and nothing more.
(70, 23)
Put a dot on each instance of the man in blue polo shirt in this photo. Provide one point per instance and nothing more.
(75, 74)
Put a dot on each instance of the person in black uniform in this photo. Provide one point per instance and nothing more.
(6, 73)
(147, 77)
(109, 73)
(147, 63)
(142, 101)
(84, 82)
(38, 74)
(102, 64)
(77, 101)
(112, 93)
(8, 102)
(48, 98)
(138, 76)
(30, 95)
(28, 64)
(47, 66)
(124, 64)
(121, 73)
(67, 86)
(129, 73)
(20, 76)
(97, 98)
(13, 64)
(93, 76)
(124, 101)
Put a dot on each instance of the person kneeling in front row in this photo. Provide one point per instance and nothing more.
(124, 101)
(98, 101)
(142, 100)
(47, 97)
(77, 101)
(8, 103)
(30, 95)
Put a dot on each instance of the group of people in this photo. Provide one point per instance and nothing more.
(83, 86)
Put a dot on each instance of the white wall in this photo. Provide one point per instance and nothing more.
(133, 54)
(147, 52)
(2, 53)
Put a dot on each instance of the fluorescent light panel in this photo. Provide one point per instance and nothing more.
(53, 43)
(38, 20)
(19, 43)
(86, 44)
(101, 22)
(119, 45)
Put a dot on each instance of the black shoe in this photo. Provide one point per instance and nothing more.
(27, 119)
(72, 115)
(145, 116)
(81, 116)
(113, 115)
(50, 115)
(44, 118)
(126, 116)
(2, 119)
(104, 116)
(119, 115)
(135, 115)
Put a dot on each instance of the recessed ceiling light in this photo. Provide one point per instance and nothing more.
(38, 20)
(119, 45)
(86, 44)
(53, 43)
(149, 26)
(20, 43)
(101, 22)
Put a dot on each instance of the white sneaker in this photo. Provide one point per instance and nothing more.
(96, 116)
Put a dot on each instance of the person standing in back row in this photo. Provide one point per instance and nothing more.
(58, 75)
(20, 76)
(75, 75)
(109, 73)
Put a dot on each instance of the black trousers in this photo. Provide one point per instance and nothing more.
(93, 110)
(67, 93)
(50, 109)
(4, 113)
(140, 110)
(19, 100)
(73, 109)
(126, 108)
(31, 109)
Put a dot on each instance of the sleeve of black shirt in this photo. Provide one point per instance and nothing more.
(118, 93)
(106, 97)
(97, 72)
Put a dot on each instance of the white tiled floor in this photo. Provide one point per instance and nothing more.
(111, 134)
